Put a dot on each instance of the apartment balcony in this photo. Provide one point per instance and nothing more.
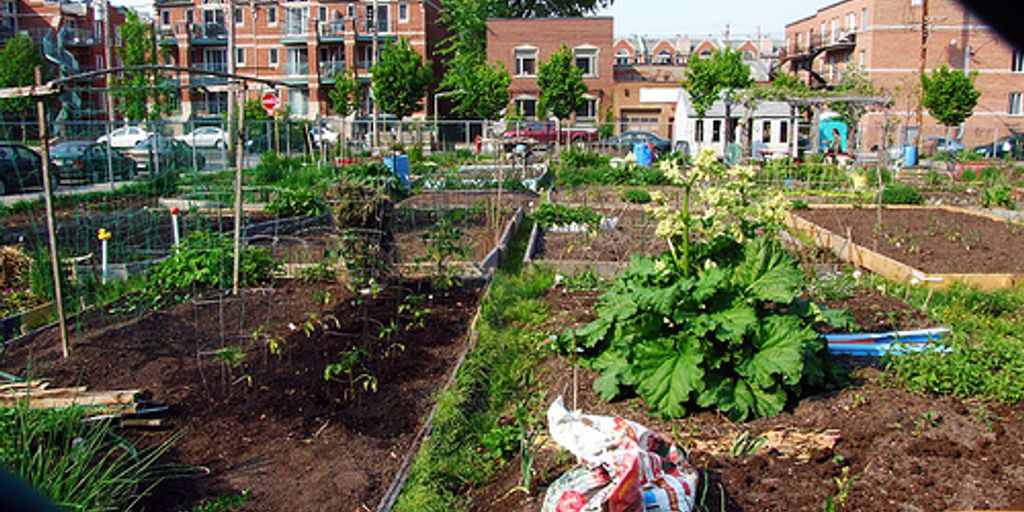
(74, 8)
(842, 42)
(296, 70)
(329, 69)
(209, 33)
(333, 31)
(167, 35)
(384, 31)
(79, 37)
(218, 67)
(295, 33)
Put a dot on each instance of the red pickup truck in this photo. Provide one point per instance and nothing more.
(546, 132)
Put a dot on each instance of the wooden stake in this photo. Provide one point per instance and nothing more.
(44, 145)
(239, 164)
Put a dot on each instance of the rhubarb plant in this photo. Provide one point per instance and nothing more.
(716, 322)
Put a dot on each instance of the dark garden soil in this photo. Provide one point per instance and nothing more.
(930, 240)
(905, 452)
(874, 311)
(479, 236)
(295, 440)
(609, 196)
(634, 234)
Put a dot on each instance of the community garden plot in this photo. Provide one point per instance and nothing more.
(859, 437)
(614, 197)
(936, 246)
(485, 176)
(246, 379)
(605, 250)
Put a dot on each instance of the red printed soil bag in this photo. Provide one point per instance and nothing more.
(626, 467)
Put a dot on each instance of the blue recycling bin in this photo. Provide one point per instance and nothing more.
(909, 156)
(399, 166)
(644, 155)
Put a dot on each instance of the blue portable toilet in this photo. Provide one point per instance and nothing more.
(399, 166)
(909, 155)
(644, 155)
(825, 128)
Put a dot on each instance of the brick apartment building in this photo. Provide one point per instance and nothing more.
(521, 45)
(70, 36)
(649, 71)
(883, 38)
(302, 44)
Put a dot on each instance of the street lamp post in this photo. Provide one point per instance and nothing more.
(437, 96)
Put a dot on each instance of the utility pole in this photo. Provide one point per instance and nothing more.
(229, 20)
(373, 59)
(922, 64)
(108, 57)
(255, 42)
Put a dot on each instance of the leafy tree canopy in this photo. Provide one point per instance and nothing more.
(400, 79)
(950, 95)
(18, 61)
(347, 95)
(561, 84)
(854, 82)
(707, 78)
(145, 94)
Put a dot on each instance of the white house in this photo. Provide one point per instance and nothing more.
(773, 130)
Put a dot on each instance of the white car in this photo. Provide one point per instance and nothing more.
(324, 134)
(123, 138)
(206, 137)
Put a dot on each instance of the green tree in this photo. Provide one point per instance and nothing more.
(561, 84)
(400, 80)
(716, 77)
(478, 89)
(346, 96)
(145, 94)
(18, 61)
(950, 96)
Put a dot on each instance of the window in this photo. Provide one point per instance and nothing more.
(272, 57)
(622, 57)
(239, 55)
(165, 17)
(189, 16)
(99, 62)
(239, 19)
(860, 59)
(298, 61)
(271, 15)
(350, 10)
(864, 18)
(526, 61)
(1018, 62)
(527, 107)
(1016, 103)
(716, 131)
(835, 29)
(588, 111)
(298, 102)
(748, 56)
(322, 13)
(403, 12)
(784, 132)
(698, 130)
(10, 6)
(766, 132)
(663, 57)
(586, 60)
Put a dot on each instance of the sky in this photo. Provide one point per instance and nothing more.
(704, 17)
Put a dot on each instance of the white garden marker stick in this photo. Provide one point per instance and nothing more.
(104, 236)
(174, 226)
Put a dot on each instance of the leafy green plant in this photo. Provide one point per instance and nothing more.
(77, 465)
(204, 261)
(586, 280)
(225, 503)
(445, 242)
(549, 214)
(844, 484)
(901, 194)
(321, 272)
(349, 364)
(746, 444)
(635, 196)
(1000, 195)
(574, 158)
(297, 203)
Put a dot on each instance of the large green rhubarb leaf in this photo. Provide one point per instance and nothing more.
(614, 374)
(780, 353)
(768, 273)
(667, 372)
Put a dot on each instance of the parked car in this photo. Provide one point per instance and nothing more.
(625, 141)
(205, 137)
(546, 132)
(124, 138)
(1007, 147)
(21, 169)
(323, 134)
(173, 154)
(83, 162)
(940, 145)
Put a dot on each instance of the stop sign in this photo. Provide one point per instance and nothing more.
(270, 101)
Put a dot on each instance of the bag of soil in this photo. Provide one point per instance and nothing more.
(626, 467)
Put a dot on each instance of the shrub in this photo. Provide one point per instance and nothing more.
(998, 195)
(578, 159)
(297, 203)
(901, 194)
(204, 260)
(635, 196)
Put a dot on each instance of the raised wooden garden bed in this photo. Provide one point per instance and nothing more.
(935, 246)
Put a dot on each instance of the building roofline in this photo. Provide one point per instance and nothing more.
(817, 12)
(563, 18)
